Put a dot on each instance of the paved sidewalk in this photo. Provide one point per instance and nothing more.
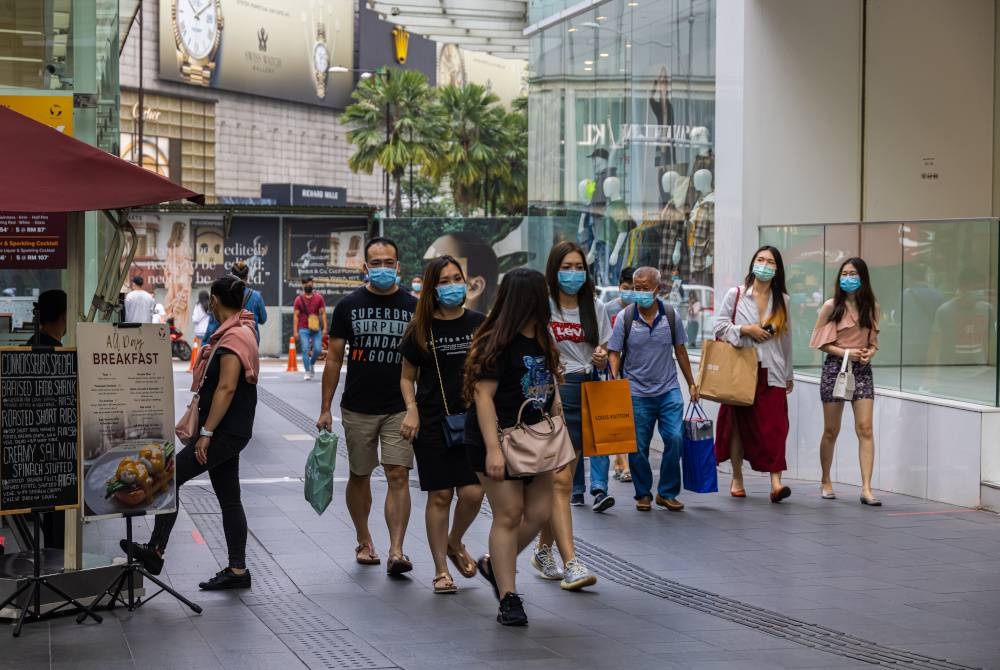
(726, 584)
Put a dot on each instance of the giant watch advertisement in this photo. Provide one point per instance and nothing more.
(274, 48)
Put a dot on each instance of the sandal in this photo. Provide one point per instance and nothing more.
(372, 557)
(398, 565)
(626, 477)
(463, 562)
(443, 583)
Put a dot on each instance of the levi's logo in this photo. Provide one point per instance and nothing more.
(567, 332)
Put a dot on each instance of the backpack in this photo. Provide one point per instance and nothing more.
(629, 318)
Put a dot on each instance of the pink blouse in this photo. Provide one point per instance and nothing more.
(847, 334)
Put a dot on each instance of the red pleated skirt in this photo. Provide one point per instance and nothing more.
(763, 428)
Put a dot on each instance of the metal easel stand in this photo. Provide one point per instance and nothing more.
(33, 589)
(126, 581)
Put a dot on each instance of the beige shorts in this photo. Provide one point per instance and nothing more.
(364, 432)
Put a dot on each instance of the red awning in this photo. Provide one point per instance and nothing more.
(42, 170)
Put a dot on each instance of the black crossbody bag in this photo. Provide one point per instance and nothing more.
(453, 424)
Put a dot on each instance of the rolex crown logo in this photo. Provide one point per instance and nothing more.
(262, 40)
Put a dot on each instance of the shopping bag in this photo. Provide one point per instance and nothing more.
(698, 452)
(319, 471)
(728, 374)
(608, 423)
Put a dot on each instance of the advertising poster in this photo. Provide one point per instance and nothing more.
(33, 241)
(331, 251)
(255, 241)
(127, 419)
(273, 48)
(39, 459)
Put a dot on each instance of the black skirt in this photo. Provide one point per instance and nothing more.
(438, 466)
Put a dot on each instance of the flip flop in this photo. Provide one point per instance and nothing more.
(626, 477)
(448, 585)
(463, 562)
(372, 558)
(398, 565)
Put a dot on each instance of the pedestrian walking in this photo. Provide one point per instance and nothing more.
(253, 302)
(434, 348)
(200, 316)
(693, 319)
(513, 365)
(230, 366)
(309, 316)
(372, 320)
(647, 338)
(756, 314)
(581, 329)
(139, 303)
(848, 327)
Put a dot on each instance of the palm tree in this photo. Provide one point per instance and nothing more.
(511, 190)
(394, 123)
(474, 129)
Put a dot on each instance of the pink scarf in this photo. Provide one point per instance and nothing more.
(237, 334)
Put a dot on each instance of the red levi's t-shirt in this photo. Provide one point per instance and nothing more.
(567, 330)
(307, 306)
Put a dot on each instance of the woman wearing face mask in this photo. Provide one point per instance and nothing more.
(200, 316)
(581, 330)
(756, 315)
(434, 348)
(848, 326)
(229, 365)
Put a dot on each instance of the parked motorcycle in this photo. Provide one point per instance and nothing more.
(179, 347)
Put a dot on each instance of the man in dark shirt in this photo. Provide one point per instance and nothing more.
(51, 316)
(372, 320)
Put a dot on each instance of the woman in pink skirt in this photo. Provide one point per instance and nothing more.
(756, 315)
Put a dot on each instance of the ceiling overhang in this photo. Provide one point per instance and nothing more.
(498, 30)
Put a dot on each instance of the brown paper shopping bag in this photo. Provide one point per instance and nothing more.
(728, 374)
(608, 423)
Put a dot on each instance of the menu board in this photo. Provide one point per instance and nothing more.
(39, 459)
(126, 419)
(33, 241)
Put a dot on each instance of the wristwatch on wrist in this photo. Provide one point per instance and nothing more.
(197, 26)
(321, 60)
(206, 433)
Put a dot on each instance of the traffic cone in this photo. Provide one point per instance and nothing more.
(293, 358)
(195, 346)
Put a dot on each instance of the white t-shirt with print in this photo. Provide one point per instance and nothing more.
(565, 326)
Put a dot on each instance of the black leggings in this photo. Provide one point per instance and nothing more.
(224, 470)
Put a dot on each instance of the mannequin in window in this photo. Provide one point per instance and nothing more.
(701, 229)
(590, 233)
(702, 158)
(620, 221)
(663, 110)
(673, 249)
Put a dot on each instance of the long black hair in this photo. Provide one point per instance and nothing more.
(864, 296)
(523, 299)
(419, 328)
(588, 311)
(779, 311)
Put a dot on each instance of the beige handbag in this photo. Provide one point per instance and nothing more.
(728, 374)
(187, 428)
(538, 448)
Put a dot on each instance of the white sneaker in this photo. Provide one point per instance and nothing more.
(307, 376)
(543, 561)
(577, 576)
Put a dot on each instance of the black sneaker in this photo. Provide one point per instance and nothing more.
(576, 500)
(486, 570)
(226, 579)
(511, 612)
(146, 555)
(602, 501)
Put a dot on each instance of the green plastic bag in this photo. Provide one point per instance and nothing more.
(320, 465)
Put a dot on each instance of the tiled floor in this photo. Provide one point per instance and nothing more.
(913, 575)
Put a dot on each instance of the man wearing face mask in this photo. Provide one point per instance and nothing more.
(309, 316)
(416, 285)
(624, 299)
(372, 320)
(645, 339)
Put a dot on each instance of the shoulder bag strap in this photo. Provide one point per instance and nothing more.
(628, 319)
(845, 365)
(672, 320)
(437, 366)
(211, 355)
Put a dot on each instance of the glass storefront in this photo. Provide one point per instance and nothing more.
(621, 132)
(936, 284)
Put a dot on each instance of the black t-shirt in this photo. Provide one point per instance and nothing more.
(373, 326)
(43, 340)
(452, 339)
(521, 374)
(238, 420)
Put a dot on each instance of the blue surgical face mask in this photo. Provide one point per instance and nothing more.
(850, 284)
(451, 295)
(644, 299)
(382, 278)
(627, 297)
(764, 272)
(571, 281)
(416, 287)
